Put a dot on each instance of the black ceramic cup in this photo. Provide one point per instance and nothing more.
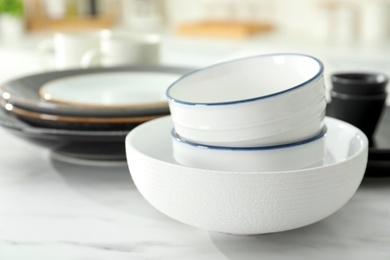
(359, 99)
(359, 83)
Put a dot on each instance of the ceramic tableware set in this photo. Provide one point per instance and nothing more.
(248, 149)
(85, 113)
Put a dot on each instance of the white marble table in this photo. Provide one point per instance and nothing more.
(50, 209)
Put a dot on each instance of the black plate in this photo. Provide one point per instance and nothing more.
(87, 145)
(24, 93)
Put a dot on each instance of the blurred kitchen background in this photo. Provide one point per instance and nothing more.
(344, 34)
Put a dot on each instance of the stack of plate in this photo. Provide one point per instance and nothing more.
(86, 113)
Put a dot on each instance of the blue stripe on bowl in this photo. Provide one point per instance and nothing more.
(271, 147)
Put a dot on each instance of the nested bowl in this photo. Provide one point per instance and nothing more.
(290, 156)
(254, 101)
(244, 202)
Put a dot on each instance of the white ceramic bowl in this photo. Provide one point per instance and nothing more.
(243, 202)
(245, 102)
(291, 156)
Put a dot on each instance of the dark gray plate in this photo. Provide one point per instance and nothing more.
(80, 144)
(24, 93)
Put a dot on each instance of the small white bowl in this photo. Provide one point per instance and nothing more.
(238, 102)
(246, 202)
(291, 156)
(279, 131)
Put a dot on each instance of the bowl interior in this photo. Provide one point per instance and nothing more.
(246, 79)
(342, 142)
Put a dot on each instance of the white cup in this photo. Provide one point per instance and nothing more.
(65, 50)
(123, 48)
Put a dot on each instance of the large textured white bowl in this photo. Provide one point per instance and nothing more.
(254, 101)
(243, 202)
